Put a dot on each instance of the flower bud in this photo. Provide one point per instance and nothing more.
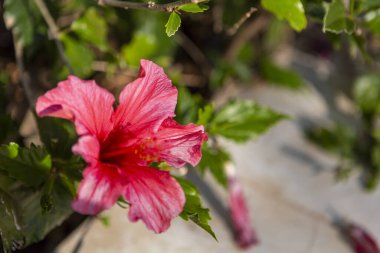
(244, 233)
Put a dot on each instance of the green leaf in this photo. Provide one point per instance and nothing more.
(291, 10)
(18, 17)
(58, 136)
(337, 139)
(92, 28)
(214, 159)
(360, 41)
(243, 120)
(79, 55)
(372, 21)
(367, 93)
(29, 165)
(143, 45)
(10, 223)
(194, 8)
(37, 223)
(24, 220)
(187, 106)
(204, 115)
(280, 76)
(174, 22)
(336, 20)
(367, 5)
(193, 209)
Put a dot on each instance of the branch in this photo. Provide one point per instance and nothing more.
(54, 32)
(151, 5)
(241, 21)
(250, 30)
(24, 75)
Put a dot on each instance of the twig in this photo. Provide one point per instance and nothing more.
(54, 32)
(231, 31)
(25, 78)
(151, 5)
(245, 34)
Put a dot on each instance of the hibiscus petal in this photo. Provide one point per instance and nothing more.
(99, 189)
(85, 103)
(147, 101)
(177, 144)
(154, 197)
(88, 147)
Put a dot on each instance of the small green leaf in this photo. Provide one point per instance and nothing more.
(104, 219)
(367, 93)
(291, 10)
(143, 45)
(280, 76)
(214, 159)
(194, 8)
(204, 115)
(92, 28)
(193, 209)
(79, 55)
(243, 120)
(29, 165)
(336, 20)
(174, 22)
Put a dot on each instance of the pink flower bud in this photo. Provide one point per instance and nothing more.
(245, 235)
(361, 240)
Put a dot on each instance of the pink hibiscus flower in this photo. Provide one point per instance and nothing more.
(119, 144)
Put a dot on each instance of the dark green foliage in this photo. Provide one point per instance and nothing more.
(29, 165)
(243, 120)
(58, 136)
(280, 76)
(193, 209)
(214, 160)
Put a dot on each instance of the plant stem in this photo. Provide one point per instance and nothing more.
(241, 21)
(151, 5)
(24, 75)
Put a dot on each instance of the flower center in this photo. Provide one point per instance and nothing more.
(125, 148)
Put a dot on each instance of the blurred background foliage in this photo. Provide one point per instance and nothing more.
(202, 47)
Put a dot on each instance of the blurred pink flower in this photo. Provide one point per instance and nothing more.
(245, 235)
(361, 240)
(119, 144)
